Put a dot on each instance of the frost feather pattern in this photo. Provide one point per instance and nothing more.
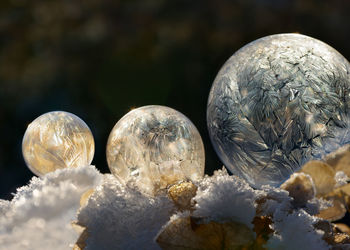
(275, 103)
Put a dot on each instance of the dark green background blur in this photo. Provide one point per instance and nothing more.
(99, 58)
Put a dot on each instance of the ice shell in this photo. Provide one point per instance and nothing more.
(274, 102)
(157, 146)
(57, 140)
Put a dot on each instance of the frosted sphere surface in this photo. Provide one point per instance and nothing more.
(57, 140)
(275, 103)
(156, 145)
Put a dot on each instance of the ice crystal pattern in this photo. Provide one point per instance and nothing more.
(157, 146)
(275, 103)
(57, 140)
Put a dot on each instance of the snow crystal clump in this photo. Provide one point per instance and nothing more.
(293, 227)
(222, 197)
(274, 201)
(295, 231)
(40, 214)
(340, 178)
(118, 216)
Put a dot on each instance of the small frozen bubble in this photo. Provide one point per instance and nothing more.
(275, 103)
(57, 140)
(156, 145)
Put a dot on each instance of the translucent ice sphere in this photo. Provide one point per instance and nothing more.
(57, 140)
(156, 145)
(275, 103)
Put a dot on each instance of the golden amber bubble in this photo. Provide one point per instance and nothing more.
(57, 140)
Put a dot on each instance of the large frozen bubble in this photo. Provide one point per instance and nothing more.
(156, 145)
(57, 140)
(275, 103)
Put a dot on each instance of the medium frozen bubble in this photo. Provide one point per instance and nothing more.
(275, 103)
(57, 140)
(156, 145)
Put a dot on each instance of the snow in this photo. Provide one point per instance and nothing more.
(223, 197)
(341, 178)
(40, 214)
(295, 231)
(119, 216)
(293, 226)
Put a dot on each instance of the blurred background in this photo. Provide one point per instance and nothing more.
(100, 58)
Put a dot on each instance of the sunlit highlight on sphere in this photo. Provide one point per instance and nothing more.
(156, 145)
(57, 140)
(275, 103)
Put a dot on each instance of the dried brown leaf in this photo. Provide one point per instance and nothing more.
(85, 197)
(182, 193)
(322, 174)
(301, 187)
(81, 242)
(340, 159)
(186, 233)
(262, 229)
(333, 213)
(342, 228)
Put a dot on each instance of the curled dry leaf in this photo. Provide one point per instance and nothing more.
(187, 233)
(341, 238)
(85, 197)
(342, 228)
(327, 228)
(341, 201)
(340, 159)
(182, 193)
(322, 174)
(342, 191)
(301, 187)
(332, 235)
(81, 242)
(335, 212)
(262, 229)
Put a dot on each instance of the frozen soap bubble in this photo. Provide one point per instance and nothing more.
(156, 145)
(275, 103)
(57, 140)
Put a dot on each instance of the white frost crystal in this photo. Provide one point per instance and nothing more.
(340, 178)
(215, 199)
(158, 146)
(277, 103)
(295, 231)
(40, 214)
(120, 217)
(57, 140)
